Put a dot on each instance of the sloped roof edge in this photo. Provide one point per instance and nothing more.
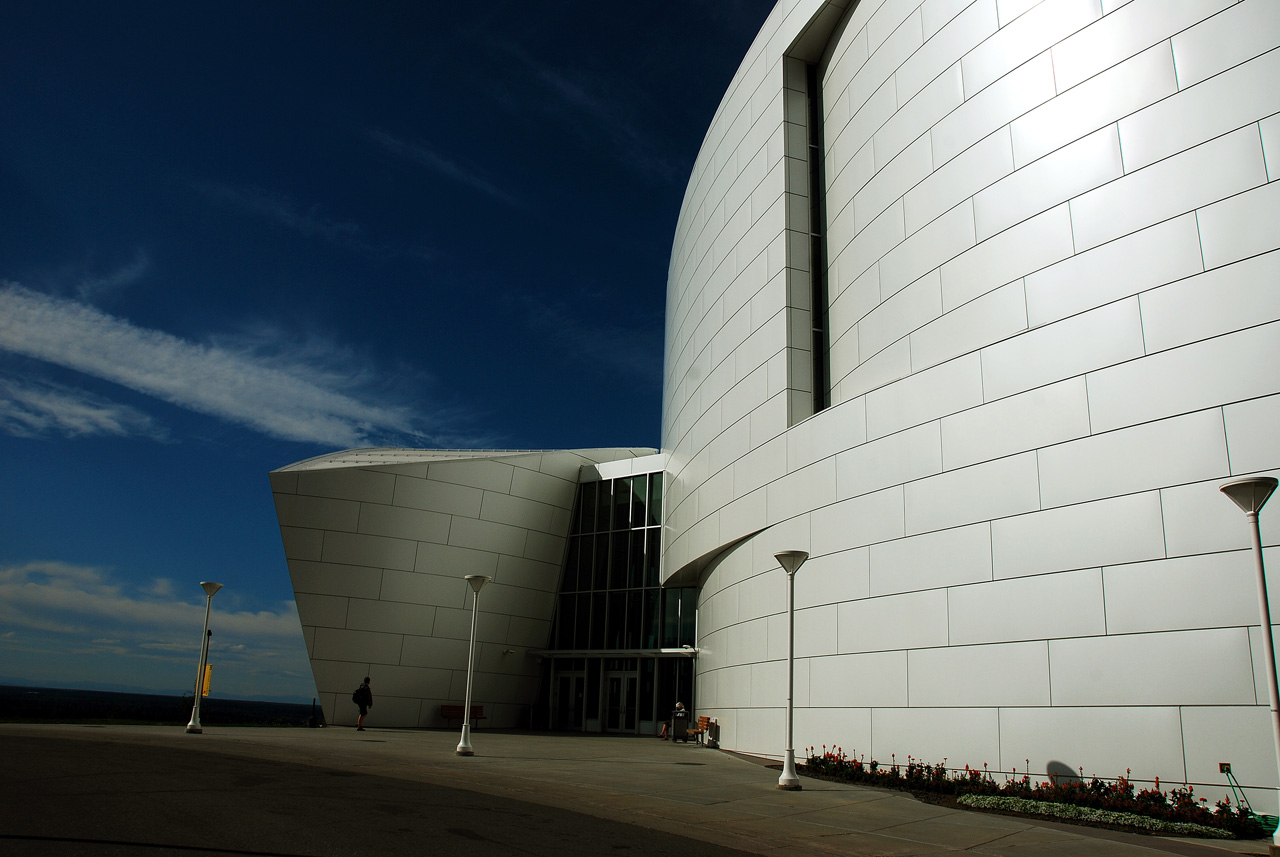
(375, 456)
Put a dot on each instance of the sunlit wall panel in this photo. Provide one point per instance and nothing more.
(1051, 252)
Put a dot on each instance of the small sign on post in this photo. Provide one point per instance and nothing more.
(208, 677)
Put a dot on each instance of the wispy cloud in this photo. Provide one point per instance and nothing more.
(89, 278)
(308, 221)
(635, 352)
(277, 396)
(146, 638)
(605, 116)
(32, 408)
(92, 286)
(425, 156)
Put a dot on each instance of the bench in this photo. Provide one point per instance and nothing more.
(704, 723)
(454, 712)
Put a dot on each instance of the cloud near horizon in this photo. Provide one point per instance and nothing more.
(88, 600)
(133, 637)
(269, 393)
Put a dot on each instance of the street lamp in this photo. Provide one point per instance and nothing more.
(477, 582)
(790, 562)
(210, 588)
(1251, 495)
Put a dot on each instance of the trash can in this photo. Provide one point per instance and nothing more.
(680, 725)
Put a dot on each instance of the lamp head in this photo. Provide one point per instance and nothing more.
(1250, 494)
(477, 581)
(210, 587)
(791, 560)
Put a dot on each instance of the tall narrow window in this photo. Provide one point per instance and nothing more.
(808, 311)
(818, 242)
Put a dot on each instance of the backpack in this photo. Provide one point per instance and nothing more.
(358, 695)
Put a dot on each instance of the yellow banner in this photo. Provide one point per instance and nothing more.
(208, 676)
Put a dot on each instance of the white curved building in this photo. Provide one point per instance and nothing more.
(976, 301)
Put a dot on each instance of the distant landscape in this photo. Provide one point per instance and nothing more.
(20, 704)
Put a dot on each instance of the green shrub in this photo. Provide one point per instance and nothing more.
(1083, 813)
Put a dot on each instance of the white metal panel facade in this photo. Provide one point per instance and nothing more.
(1052, 249)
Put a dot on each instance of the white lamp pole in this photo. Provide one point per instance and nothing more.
(1251, 495)
(209, 589)
(477, 582)
(790, 562)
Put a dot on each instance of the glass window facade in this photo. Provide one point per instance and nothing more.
(607, 670)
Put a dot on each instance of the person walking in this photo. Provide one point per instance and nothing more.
(363, 697)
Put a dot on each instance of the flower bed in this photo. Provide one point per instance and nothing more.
(1097, 800)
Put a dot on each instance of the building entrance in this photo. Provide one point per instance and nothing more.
(570, 701)
(620, 702)
(623, 695)
(622, 647)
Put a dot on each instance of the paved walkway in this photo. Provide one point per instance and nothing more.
(669, 789)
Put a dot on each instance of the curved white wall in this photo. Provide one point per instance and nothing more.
(378, 542)
(1054, 268)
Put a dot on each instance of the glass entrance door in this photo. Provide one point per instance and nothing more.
(570, 698)
(620, 702)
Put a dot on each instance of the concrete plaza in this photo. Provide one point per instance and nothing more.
(90, 790)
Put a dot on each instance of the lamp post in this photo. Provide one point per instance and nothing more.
(790, 562)
(210, 588)
(477, 582)
(1251, 495)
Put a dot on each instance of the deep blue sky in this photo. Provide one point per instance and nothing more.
(237, 235)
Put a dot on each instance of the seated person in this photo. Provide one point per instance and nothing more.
(666, 726)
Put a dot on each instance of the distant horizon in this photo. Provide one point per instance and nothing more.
(106, 687)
